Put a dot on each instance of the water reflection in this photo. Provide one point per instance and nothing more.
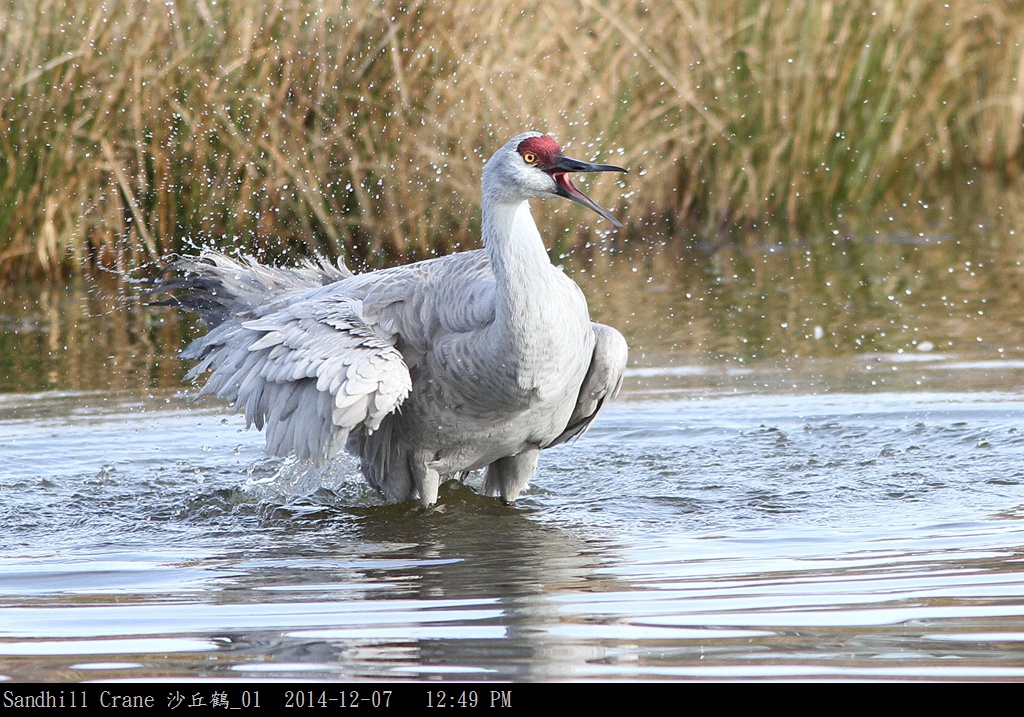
(763, 299)
(83, 338)
(826, 298)
(464, 592)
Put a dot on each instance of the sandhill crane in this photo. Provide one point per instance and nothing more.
(478, 359)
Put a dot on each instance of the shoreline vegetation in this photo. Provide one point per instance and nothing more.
(131, 130)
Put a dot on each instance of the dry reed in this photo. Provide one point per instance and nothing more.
(131, 129)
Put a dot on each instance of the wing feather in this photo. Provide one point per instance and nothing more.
(602, 382)
(309, 374)
(312, 354)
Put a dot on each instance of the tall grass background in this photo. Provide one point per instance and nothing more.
(130, 130)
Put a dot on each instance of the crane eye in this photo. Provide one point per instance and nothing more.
(529, 157)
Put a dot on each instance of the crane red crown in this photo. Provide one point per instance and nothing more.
(545, 148)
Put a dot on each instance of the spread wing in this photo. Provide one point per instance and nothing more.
(218, 287)
(309, 374)
(312, 354)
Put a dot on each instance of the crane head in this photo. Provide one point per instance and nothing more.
(542, 153)
(532, 166)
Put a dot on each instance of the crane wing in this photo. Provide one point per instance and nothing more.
(308, 374)
(602, 382)
(218, 287)
(291, 350)
(423, 303)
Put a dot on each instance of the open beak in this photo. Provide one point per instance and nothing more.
(560, 173)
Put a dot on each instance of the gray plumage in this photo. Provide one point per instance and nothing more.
(475, 360)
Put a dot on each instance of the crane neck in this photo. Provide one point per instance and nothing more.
(512, 242)
(529, 309)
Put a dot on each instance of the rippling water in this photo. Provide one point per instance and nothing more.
(694, 532)
(808, 513)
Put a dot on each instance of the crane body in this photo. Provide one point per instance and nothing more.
(426, 371)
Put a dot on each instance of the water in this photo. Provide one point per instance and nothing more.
(760, 503)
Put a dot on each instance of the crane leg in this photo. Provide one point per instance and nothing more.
(508, 476)
(426, 479)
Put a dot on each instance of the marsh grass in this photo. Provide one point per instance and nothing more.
(130, 130)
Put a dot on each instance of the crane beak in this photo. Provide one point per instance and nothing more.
(560, 170)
